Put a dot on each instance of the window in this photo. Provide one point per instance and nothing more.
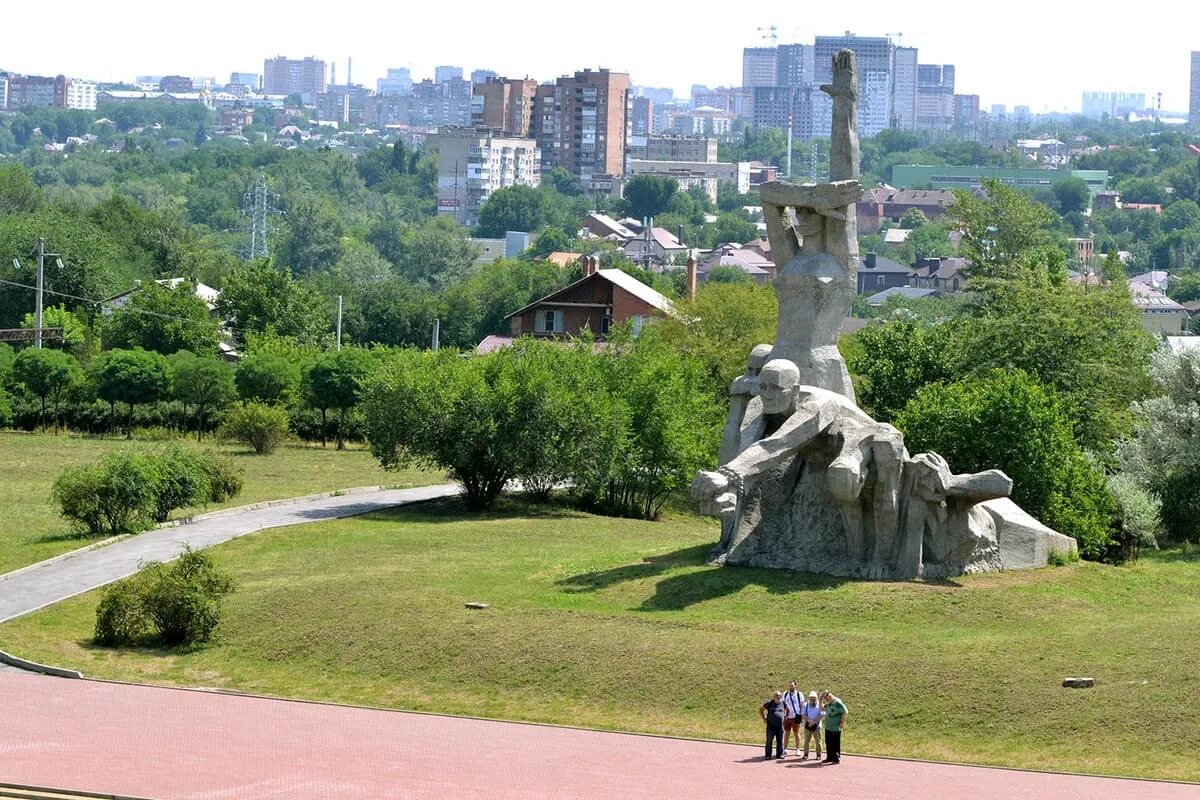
(548, 320)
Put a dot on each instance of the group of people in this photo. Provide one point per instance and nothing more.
(788, 713)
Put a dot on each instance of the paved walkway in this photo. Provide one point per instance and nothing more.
(172, 744)
(57, 579)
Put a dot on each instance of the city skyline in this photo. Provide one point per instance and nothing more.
(1046, 64)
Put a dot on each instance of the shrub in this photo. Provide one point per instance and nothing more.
(261, 426)
(120, 617)
(181, 602)
(1181, 504)
(117, 495)
(224, 478)
(183, 481)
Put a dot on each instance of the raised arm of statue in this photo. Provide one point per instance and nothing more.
(843, 142)
(780, 233)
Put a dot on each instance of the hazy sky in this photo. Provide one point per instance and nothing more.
(1042, 55)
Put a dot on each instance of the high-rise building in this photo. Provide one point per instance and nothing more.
(904, 88)
(935, 97)
(794, 65)
(483, 75)
(247, 79)
(1194, 91)
(966, 115)
(31, 91)
(593, 123)
(3, 90)
(874, 57)
(475, 162)
(505, 105)
(658, 95)
(446, 73)
(547, 112)
(398, 82)
(1112, 104)
(305, 77)
(641, 116)
(759, 66)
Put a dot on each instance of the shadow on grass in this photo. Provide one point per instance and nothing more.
(677, 592)
(70, 536)
(1176, 554)
(454, 509)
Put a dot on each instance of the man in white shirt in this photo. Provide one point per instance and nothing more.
(811, 714)
(793, 701)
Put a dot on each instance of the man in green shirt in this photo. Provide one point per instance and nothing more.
(835, 721)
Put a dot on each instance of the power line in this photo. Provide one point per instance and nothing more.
(129, 309)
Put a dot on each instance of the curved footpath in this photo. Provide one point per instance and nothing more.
(181, 744)
(48, 582)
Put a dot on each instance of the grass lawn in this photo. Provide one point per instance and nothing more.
(31, 528)
(618, 624)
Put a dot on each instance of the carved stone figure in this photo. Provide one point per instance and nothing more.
(806, 479)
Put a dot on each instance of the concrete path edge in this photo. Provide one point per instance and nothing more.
(33, 666)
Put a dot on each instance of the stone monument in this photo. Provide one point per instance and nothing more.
(806, 479)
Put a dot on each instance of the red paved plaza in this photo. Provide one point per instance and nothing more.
(171, 744)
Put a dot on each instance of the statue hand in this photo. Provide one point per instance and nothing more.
(708, 485)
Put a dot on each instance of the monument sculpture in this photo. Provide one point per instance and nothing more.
(806, 479)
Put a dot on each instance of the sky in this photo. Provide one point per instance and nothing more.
(1043, 56)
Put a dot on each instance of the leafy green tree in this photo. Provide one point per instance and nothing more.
(649, 195)
(75, 337)
(1088, 345)
(1141, 190)
(1004, 234)
(734, 228)
(1184, 287)
(131, 377)
(46, 374)
(336, 381)
(1073, 195)
(203, 383)
(258, 425)
(1181, 215)
(313, 240)
(720, 326)
(437, 254)
(258, 298)
(18, 193)
(913, 218)
(1006, 420)
(724, 273)
(514, 208)
(267, 378)
(550, 240)
(893, 361)
(162, 319)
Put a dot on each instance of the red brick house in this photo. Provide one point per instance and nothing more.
(593, 303)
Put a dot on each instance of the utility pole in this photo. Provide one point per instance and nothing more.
(789, 144)
(257, 204)
(41, 283)
(437, 333)
(339, 323)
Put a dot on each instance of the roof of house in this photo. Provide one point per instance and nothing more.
(896, 235)
(939, 198)
(1155, 278)
(880, 298)
(492, 342)
(618, 278)
(882, 264)
(736, 255)
(1147, 298)
(662, 237)
(563, 259)
(947, 268)
(208, 294)
(609, 224)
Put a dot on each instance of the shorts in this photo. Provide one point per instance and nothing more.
(791, 724)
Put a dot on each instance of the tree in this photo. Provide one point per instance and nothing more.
(313, 240)
(18, 193)
(131, 377)
(550, 240)
(45, 374)
(336, 381)
(893, 361)
(1087, 344)
(1073, 195)
(725, 273)
(204, 383)
(720, 326)
(259, 298)
(913, 218)
(649, 195)
(437, 254)
(76, 337)
(1181, 215)
(1006, 420)
(1184, 287)
(162, 319)
(513, 208)
(258, 425)
(1004, 234)
(266, 378)
(733, 227)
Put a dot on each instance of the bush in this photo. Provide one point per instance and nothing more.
(261, 426)
(1181, 504)
(120, 617)
(118, 495)
(180, 601)
(183, 481)
(224, 478)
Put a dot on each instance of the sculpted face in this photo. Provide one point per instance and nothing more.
(777, 386)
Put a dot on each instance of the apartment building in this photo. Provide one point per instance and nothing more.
(475, 162)
(504, 105)
(305, 77)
